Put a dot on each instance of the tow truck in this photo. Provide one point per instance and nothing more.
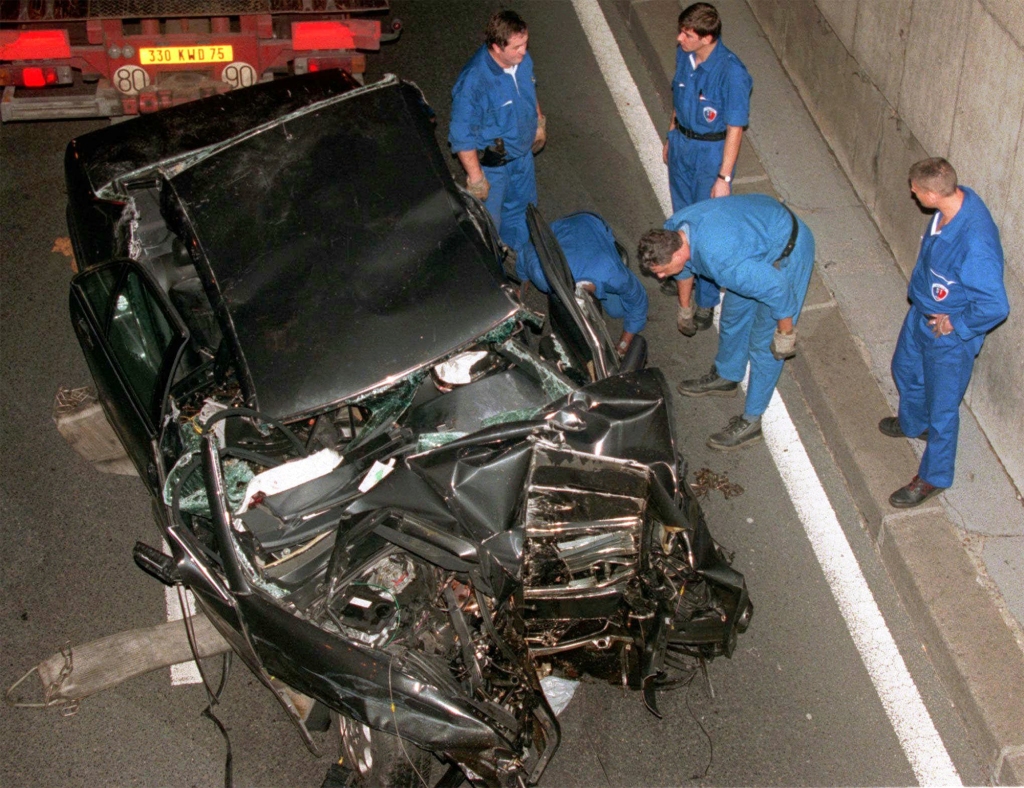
(63, 59)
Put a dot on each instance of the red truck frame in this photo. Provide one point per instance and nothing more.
(63, 59)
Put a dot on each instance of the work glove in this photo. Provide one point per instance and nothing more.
(479, 189)
(541, 138)
(783, 345)
(684, 320)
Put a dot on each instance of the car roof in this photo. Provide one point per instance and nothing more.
(116, 151)
(341, 252)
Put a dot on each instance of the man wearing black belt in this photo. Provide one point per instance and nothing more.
(497, 127)
(711, 99)
(762, 254)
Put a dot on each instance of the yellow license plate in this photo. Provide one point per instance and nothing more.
(177, 56)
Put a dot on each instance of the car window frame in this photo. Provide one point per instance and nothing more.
(152, 413)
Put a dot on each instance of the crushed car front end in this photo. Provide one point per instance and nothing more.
(472, 570)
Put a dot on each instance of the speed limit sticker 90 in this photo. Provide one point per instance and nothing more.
(239, 75)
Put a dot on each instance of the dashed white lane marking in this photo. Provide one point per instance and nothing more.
(899, 695)
(184, 672)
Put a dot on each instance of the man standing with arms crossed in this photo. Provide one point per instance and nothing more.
(711, 103)
(956, 295)
(497, 126)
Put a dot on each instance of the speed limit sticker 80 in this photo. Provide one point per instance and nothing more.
(131, 79)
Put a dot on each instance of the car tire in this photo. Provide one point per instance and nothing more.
(382, 760)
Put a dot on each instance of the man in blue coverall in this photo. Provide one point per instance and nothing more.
(956, 295)
(762, 254)
(711, 102)
(589, 247)
(497, 126)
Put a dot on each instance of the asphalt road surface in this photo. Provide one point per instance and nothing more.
(795, 704)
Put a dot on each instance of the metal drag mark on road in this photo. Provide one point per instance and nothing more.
(895, 687)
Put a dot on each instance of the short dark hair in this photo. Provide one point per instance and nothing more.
(502, 26)
(935, 175)
(656, 247)
(702, 19)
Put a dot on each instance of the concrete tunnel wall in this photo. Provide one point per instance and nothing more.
(890, 82)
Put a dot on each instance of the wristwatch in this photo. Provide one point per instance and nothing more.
(726, 178)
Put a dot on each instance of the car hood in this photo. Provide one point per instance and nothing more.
(337, 249)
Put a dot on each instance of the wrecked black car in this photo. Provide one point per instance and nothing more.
(397, 493)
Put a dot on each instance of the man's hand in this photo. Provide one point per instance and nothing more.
(721, 188)
(940, 325)
(541, 138)
(783, 345)
(479, 189)
(684, 320)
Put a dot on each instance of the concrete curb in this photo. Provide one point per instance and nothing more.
(972, 647)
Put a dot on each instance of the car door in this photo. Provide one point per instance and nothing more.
(575, 314)
(132, 339)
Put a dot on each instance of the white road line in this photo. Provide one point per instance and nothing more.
(184, 672)
(895, 687)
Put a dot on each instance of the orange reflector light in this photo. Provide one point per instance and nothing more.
(308, 36)
(33, 77)
(34, 44)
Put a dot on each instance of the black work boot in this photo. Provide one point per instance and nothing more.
(704, 318)
(890, 426)
(711, 384)
(669, 287)
(738, 433)
(915, 493)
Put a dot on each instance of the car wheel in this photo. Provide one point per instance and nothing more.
(380, 759)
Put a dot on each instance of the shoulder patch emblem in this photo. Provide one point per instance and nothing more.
(939, 291)
(710, 113)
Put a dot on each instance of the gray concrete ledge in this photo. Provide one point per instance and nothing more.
(971, 644)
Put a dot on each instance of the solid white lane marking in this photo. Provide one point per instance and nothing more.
(648, 143)
(895, 687)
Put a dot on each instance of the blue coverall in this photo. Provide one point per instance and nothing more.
(488, 103)
(589, 248)
(959, 272)
(735, 241)
(706, 98)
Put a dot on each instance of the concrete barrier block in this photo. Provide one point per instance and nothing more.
(1010, 770)
(881, 42)
(1004, 562)
(1010, 14)
(1010, 215)
(811, 50)
(997, 383)
(931, 73)
(855, 110)
(772, 15)
(973, 651)
(655, 23)
(902, 223)
(986, 125)
(842, 16)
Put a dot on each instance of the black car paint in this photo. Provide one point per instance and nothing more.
(457, 514)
